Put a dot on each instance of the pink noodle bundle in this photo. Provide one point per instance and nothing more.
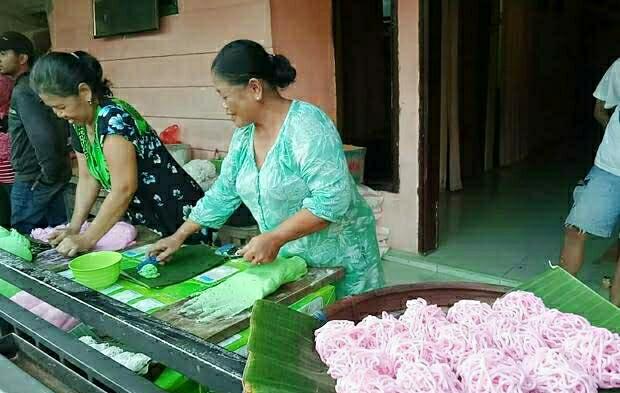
(456, 342)
(373, 332)
(405, 349)
(516, 346)
(419, 377)
(346, 362)
(519, 305)
(366, 381)
(423, 319)
(489, 371)
(552, 372)
(556, 327)
(120, 236)
(516, 341)
(334, 338)
(598, 351)
(469, 313)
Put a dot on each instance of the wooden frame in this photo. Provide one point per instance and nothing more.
(430, 68)
(394, 186)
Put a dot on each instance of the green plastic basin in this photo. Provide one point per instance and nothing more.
(97, 270)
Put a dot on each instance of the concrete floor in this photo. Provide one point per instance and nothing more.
(506, 226)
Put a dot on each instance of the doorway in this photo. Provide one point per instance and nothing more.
(497, 185)
(367, 85)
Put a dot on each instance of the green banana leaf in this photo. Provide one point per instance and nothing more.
(559, 289)
(282, 358)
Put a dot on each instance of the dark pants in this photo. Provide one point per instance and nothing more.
(36, 205)
(5, 205)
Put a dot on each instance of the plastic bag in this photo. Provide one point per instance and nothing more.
(170, 135)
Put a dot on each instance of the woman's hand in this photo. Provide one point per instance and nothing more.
(71, 245)
(261, 249)
(59, 235)
(165, 247)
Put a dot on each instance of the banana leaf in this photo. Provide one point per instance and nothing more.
(560, 290)
(282, 358)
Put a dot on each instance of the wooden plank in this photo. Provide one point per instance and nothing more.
(302, 29)
(184, 102)
(220, 330)
(454, 154)
(445, 92)
(198, 28)
(168, 71)
(430, 119)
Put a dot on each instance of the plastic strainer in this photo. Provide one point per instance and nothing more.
(97, 270)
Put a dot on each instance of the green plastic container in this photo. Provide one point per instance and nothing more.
(218, 165)
(97, 270)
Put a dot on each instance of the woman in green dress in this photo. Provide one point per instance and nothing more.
(116, 150)
(286, 164)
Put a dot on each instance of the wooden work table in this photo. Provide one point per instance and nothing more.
(164, 336)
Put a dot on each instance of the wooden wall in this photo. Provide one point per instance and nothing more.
(166, 74)
(302, 31)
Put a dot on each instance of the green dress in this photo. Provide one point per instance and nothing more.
(305, 169)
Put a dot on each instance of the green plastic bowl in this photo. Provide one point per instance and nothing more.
(97, 270)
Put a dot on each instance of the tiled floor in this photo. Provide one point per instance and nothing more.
(505, 227)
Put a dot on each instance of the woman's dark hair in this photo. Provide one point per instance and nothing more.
(60, 74)
(242, 60)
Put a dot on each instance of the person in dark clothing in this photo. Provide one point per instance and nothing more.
(117, 150)
(39, 150)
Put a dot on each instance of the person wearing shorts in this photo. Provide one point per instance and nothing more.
(596, 199)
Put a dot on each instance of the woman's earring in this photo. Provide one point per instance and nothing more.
(90, 102)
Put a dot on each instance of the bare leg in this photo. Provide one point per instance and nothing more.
(571, 258)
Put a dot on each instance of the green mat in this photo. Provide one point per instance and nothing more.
(185, 264)
(281, 355)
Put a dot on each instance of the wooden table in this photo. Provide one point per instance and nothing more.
(168, 339)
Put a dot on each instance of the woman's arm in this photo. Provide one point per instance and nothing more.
(214, 208)
(85, 196)
(167, 246)
(122, 163)
(120, 156)
(265, 247)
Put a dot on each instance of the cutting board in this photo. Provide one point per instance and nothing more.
(185, 264)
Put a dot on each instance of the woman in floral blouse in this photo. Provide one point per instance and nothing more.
(116, 149)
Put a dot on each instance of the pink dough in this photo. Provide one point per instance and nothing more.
(119, 237)
(43, 310)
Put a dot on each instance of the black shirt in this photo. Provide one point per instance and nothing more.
(39, 138)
